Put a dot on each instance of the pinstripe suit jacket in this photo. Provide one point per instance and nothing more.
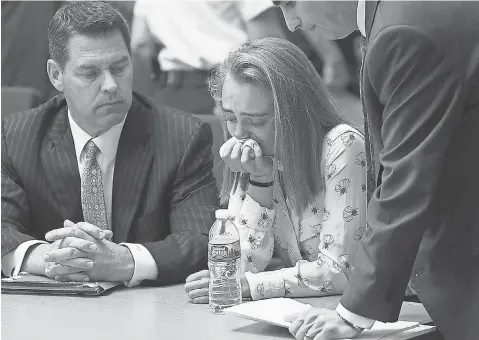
(164, 193)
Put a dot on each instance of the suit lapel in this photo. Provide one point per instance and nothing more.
(61, 167)
(371, 8)
(133, 162)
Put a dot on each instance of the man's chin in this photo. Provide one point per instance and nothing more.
(116, 117)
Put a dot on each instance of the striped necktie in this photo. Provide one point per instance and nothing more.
(92, 197)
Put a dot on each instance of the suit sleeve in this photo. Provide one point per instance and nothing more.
(194, 200)
(422, 98)
(15, 208)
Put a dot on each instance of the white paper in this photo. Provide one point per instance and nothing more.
(274, 311)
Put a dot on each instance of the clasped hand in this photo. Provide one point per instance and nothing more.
(246, 156)
(83, 252)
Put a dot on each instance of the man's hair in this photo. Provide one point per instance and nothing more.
(90, 18)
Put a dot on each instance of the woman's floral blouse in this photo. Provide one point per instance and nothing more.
(318, 250)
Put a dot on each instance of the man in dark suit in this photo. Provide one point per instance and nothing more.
(420, 93)
(122, 190)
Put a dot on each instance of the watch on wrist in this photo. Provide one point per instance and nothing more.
(357, 328)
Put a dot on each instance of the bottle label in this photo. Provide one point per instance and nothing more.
(224, 252)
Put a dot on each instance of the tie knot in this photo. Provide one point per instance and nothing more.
(91, 150)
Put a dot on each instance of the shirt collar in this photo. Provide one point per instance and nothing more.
(106, 142)
(361, 17)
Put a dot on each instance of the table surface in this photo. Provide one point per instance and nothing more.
(159, 313)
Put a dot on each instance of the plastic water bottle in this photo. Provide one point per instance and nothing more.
(224, 256)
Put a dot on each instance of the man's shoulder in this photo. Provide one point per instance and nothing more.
(419, 28)
(438, 20)
(27, 122)
(173, 114)
(165, 118)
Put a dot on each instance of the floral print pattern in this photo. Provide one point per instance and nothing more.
(318, 246)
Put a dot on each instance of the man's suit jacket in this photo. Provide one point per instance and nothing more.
(420, 92)
(164, 193)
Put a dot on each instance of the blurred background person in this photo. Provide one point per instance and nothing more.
(25, 29)
(177, 43)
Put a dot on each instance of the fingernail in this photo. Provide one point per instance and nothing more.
(101, 234)
(85, 279)
(93, 247)
(47, 235)
(89, 264)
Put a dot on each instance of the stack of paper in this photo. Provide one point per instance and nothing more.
(272, 311)
(275, 311)
(34, 284)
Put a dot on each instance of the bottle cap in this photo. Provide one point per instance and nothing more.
(223, 214)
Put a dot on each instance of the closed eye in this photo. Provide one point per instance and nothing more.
(257, 123)
(118, 69)
(90, 75)
(230, 118)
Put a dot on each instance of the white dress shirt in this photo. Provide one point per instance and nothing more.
(353, 318)
(197, 34)
(145, 265)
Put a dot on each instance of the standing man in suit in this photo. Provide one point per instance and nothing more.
(97, 184)
(420, 93)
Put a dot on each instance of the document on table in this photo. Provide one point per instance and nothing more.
(25, 283)
(274, 311)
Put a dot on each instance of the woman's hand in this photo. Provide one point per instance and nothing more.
(196, 286)
(246, 156)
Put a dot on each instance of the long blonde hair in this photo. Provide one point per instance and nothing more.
(303, 112)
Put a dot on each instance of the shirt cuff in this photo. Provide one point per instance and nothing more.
(145, 264)
(355, 319)
(13, 261)
(265, 285)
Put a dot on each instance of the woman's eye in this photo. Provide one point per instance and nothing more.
(257, 123)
